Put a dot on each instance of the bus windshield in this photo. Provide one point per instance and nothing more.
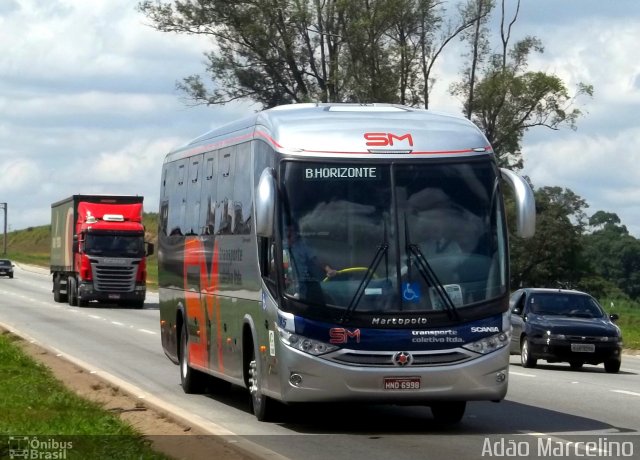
(392, 237)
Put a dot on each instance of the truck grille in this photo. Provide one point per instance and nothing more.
(114, 276)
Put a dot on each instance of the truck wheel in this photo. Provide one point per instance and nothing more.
(192, 381)
(57, 295)
(72, 292)
(56, 289)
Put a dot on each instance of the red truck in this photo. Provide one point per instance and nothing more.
(98, 250)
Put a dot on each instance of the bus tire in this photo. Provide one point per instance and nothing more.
(261, 405)
(192, 381)
(448, 412)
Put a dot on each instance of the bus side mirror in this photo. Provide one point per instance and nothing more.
(75, 246)
(265, 203)
(525, 203)
(149, 248)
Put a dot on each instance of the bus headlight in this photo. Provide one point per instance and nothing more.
(490, 344)
(305, 344)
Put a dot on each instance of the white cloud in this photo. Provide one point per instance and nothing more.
(18, 175)
(600, 168)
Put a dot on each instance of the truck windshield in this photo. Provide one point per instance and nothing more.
(114, 245)
(361, 238)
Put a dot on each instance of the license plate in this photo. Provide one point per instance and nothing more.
(402, 383)
(583, 347)
(114, 296)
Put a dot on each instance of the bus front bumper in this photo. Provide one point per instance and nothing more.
(307, 378)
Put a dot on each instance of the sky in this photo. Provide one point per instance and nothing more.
(88, 102)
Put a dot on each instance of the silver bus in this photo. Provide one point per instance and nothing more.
(340, 253)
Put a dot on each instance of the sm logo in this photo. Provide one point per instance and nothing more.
(342, 335)
(386, 139)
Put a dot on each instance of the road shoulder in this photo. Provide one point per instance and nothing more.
(167, 434)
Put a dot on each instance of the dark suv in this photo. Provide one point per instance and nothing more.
(6, 268)
(560, 325)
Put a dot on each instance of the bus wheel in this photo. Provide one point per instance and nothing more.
(192, 381)
(449, 412)
(260, 404)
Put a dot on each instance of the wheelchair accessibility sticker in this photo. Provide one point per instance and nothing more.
(411, 292)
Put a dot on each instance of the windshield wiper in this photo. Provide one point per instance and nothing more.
(382, 250)
(424, 268)
(427, 273)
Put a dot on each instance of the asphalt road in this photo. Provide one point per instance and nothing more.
(550, 411)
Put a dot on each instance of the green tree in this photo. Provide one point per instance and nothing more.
(284, 51)
(553, 257)
(508, 100)
(613, 254)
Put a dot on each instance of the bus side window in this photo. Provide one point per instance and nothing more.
(208, 199)
(192, 211)
(176, 192)
(242, 205)
(224, 219)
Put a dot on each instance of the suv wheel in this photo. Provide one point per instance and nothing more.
(612, 366)
(525, 354)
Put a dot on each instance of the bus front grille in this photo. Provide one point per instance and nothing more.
(418, 359)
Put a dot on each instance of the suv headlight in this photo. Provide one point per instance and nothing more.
(553, 336)
(307, 345)
(490, 344)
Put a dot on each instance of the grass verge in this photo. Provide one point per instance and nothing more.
(34, 405)
(629, 321)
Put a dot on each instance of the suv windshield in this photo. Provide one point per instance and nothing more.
(358, 237)
(5, 263)
(565, 305)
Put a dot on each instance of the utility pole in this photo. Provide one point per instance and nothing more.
(4, 206)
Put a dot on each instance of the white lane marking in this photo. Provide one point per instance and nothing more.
(95, 317)
(521, 374)
(146, 331)
(625, 392)
(117, 323)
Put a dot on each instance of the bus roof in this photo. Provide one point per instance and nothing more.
(337, 128)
